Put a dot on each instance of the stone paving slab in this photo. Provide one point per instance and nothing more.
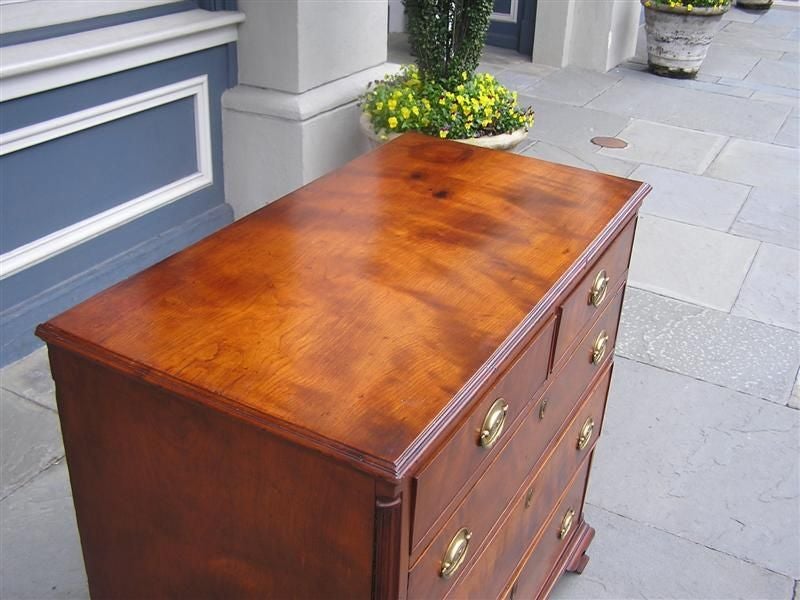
(771, 28)
(693, 109)
(30, 440)
(730, 61)
(667, 146)
(759, 164)
(770, 216)
(727, 350)
(30, 377)
(573, 85)
(756, 41)
(709, 464)
(691, 199)
(703, 82)
(40, 552)
(776, 72)
(789, 134)
(690, 263)
(631, 560)
(771, 291)
(569, 126)
(578, 157)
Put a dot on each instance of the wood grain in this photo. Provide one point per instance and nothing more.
(362, 313)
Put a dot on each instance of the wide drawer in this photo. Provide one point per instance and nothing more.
(594, 290)
(480, 437)
(493, 570)
(495, 491)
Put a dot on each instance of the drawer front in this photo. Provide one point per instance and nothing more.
(594, 290)
(492, 571)
(463, 455)
(496, 489)
(548, 549)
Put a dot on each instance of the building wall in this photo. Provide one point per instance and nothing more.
(110, 151)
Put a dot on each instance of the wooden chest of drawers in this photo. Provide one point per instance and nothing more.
(388, 384)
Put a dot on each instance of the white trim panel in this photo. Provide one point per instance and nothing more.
(59, 241)
(39, 66)
(509, 17)
(29, 14)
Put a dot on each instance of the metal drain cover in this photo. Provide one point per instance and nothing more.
(609, 142)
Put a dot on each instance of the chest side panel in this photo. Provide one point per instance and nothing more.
(174, 499)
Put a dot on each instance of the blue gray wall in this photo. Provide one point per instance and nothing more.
(52, 185)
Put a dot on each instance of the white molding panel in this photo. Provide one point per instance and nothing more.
(47, 64)
(509, 17)
(17, 15)
(59, 241)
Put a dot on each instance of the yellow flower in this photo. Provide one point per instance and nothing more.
(460, 99)
(392, 122)
(426, 103)
(415, 110)
(488, 111)
(464, 75)
(441, 102)
(410, 97)
(392, 104)
(453, 108)
(379, 106)
(689, 7)
(405, 112)
(443, 133)
(460, 87)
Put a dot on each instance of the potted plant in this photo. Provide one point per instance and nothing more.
(442, 95)
(679, 33)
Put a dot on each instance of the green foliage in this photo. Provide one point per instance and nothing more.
(448, 36)
(690, 4)
(475, 106)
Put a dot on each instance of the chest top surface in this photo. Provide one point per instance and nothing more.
(354, 312)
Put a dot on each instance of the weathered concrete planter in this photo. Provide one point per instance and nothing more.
(754, 4)
(505, 141)
(678, 39)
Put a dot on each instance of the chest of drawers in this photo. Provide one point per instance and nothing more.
(387, 384)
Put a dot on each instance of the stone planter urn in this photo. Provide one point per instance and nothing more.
(505, 141)
(754, 4)
(678, 37)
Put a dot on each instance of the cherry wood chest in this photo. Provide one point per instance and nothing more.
(387, 384)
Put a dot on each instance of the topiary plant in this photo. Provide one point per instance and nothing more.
(448, 36)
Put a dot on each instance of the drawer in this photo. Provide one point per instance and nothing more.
(594, 290)
(495, 491)
(459, 461)
(569, 382)
(545, 555)
(492, 571)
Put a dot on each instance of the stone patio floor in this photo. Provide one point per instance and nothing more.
(695, 491)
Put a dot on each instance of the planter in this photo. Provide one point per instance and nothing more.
(678, 39)
(504, 141)
(754, 4)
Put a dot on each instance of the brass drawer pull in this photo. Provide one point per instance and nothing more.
(456, 553)
(586, 433)
(599, 288)
(566, 524)
(543, 409)
(493, 423)
(599, 348)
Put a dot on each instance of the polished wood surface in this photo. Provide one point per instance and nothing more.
(292, 408)
(362, 313)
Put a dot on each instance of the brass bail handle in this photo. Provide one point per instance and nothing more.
(599, 288)
(456, 553)
(599, 347)
(566, 524)
(493, 423)
(586, 433)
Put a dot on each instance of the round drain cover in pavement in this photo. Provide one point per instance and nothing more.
(609, 142)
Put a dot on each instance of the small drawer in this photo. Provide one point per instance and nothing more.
(495, 491)
(594, 290)
(492, 571)
(485, 431)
